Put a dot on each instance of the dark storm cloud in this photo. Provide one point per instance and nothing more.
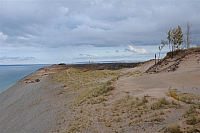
(100, 23)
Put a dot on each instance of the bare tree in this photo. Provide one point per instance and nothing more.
(188, 35)
(163, 42)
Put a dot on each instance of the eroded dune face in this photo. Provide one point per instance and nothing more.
(31, 104)
(62, 99)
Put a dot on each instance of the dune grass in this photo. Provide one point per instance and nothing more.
(92, 95)
(184, 97)
(75, 79)
(173, 129)
(120, 114)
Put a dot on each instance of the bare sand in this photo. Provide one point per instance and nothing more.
(43, 105)
(30, 106)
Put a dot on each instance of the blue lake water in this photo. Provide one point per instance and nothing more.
(10, 74)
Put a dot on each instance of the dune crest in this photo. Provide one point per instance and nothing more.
(145, 98)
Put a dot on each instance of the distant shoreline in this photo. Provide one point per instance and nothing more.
(102, 66)
(11, 74)
(78, 62)
(93, 66)
(25, 65)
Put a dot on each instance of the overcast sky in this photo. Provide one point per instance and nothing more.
(70, 31)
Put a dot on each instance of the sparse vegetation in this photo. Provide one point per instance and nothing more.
(113, 116)
(75, 79)
(184, 97)
(191, 117)
(191, 130)
(95, 92)
(160, 104)
(191, 110)
(173, 129)
(97, 102)
(191, 120)
(175, 39)
(136, 73)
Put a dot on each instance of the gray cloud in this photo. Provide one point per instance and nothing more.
(135, 50)
(88, 55)
(16, 59)
(102, 23)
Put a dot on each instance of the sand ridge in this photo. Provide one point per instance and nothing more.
(62, 99)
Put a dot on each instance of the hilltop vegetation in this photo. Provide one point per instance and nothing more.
(168, 63)
(100, 104)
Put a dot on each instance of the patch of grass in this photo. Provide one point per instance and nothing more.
(142, 101)
(162, 113)
(160, 104)
(97, 100)
(191, 130)
(75, 79)
(173, 129)
(163, 101)
(191, 110)
(157, 119)
(191, 117)
(137, 98)
(192, 120)
(101, 90)
(198, 105)
(184, 97)
(137, 72)
(93, 93)
(173, 94)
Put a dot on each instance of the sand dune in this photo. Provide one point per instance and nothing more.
(59, 99)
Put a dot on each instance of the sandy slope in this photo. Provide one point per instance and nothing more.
(28, 107)
(186, 79)
(32, 106)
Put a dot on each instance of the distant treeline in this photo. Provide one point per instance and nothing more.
(102, 66)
